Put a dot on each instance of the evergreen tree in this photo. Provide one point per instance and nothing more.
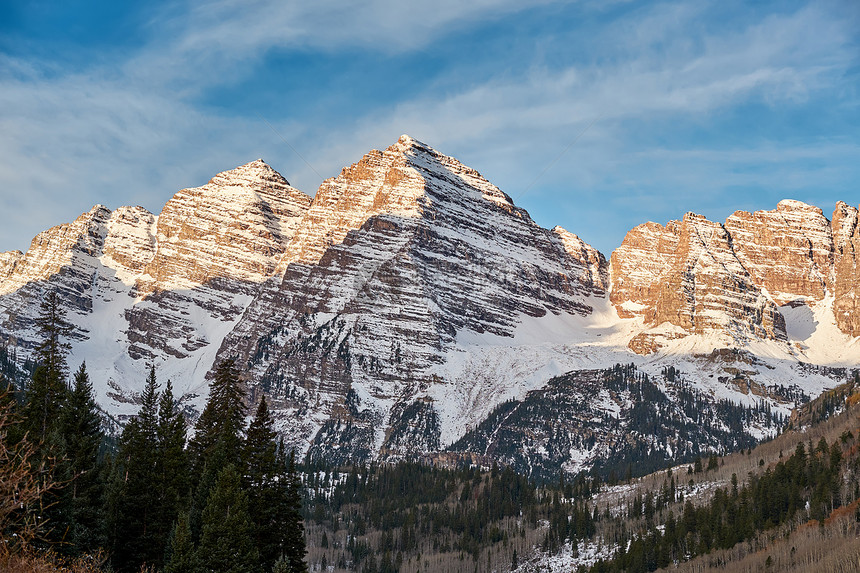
(80, 469)
(226, 541)
(222, 420)
(48, 391)
(54, 328)
(172, 463)
(42, 412)
(134, 496)
(294, 543)
(181, 557)
(217, 439)
(281, 565)
(267, 494)
(260, 453)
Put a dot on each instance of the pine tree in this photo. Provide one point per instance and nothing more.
(134, 495)
(260, 453)
(42, 411)
(281, 565)
(54, 328)
(267, 496)
(81, 437)
(222, 420)
(173, 485)
(181, 557)
(294, 543)
(226, 542)
(217, 437)
(48, 390)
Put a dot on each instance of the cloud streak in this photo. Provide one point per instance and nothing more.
(134, 131)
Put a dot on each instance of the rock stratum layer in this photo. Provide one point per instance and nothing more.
(396, 256)
(695, 276)
(399, 309)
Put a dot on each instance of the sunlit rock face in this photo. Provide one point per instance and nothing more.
(396, 256)
(144, 289)
(689, 276)
(788, 251)
(702, 277)
(214, 245)
(846, 280)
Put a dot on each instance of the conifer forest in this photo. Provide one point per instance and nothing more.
(227, 500)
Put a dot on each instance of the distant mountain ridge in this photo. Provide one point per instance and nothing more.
(394, 311)
(733, 277)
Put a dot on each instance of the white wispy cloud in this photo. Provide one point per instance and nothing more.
(131, 132)
(530, 117)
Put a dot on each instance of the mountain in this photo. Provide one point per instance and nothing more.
(400, 258)
(410, 306)
(144, 289)
(786, 275)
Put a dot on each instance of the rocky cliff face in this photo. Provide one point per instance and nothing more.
(396, 256)
(8, 260)
(235, 227)
(846, 281)
(213, 246)
(788, 251)
(63, 258)
(143, 289)
(698, 277)
(696, 285)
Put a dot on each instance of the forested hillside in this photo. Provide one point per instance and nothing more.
(620, 422)
(233, 498)
(715, 511)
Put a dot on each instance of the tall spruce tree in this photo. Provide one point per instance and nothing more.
(80, 468)
(181, 556)
(54, 328)
(266, 486)
(227, 538)
(43, 405)
(48, 391)
(133, 498)
(217, 439)
(222, 420)
(294, 544)
(172, 463)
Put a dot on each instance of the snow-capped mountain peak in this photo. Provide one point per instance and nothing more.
(396, 309)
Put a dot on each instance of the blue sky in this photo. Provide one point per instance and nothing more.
(693, 106)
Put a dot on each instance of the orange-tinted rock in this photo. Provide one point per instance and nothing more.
(688, 275)
(213, 246)
(638, 265)
(704, 277)
(788, 251)
(846, 280)
(234, 227)
(8, 260)
(397, 257)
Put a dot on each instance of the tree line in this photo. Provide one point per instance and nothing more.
(228, 499)
(809, 485)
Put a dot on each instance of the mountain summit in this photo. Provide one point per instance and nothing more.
(398, 258)
(398, 309)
